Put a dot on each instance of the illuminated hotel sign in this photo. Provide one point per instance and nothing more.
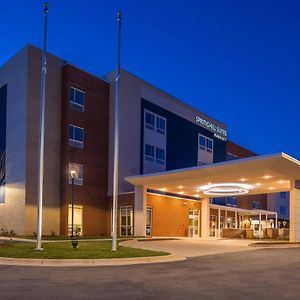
(219, 132)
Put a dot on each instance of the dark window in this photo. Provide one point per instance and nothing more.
(77, 98)
(149, 152)
(160, 125)
(150, 120)
(160, 155)
(256, 205)
(76, 136)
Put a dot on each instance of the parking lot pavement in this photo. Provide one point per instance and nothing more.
(259, 274)
(187, 247)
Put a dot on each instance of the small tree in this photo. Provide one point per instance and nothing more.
(2, 168)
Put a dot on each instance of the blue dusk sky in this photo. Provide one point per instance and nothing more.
(238, 61)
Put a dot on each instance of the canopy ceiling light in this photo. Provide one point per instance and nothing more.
(225, 189)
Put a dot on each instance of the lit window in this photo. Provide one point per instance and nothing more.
(126, 221)
(149, 152)
(76, 136)
(77, 98)
(160, 155)
(77, 220)
(78, 179)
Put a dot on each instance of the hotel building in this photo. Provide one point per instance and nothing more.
(179, 174)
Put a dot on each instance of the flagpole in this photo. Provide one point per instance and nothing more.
(116, 141)
(41, 137)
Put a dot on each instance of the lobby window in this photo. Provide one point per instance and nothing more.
(77, 220)
(77, 98)
(160, 155)
(126, 221)
(78, 180)
(256, 205)
(149, 152)
(76, 136)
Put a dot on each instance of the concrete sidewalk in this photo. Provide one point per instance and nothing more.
(192, 247)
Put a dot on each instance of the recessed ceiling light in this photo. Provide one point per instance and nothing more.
(280, 181)
(180, 186)
(267, 177)
(243, 179)
(271, 188)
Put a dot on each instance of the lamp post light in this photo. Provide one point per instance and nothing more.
(73, 175)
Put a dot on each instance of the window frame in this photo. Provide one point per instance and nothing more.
(77, 180)
(74, 104)
(147, 156)
(157, 121)
(160, 160)
(129, 212)
(72, 141)
(206, 141)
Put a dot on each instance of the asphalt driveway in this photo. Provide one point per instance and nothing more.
(187, 247)
(259, 274)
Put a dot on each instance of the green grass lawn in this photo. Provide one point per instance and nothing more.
(54, 250)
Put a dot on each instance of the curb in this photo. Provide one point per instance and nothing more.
(274, 246)
(8, 261)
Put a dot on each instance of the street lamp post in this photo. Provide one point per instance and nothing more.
(73, 176)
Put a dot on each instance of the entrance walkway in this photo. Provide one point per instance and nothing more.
(193, 247)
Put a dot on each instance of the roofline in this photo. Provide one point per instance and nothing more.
(86, 72)
(242, 147)
(229, 162)
(179, 101)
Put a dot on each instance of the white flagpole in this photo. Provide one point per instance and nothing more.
(116, 142)
(41, 137)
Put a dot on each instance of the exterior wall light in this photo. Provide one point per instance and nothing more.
(226, 189)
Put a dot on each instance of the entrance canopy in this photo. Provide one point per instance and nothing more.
(254, 175)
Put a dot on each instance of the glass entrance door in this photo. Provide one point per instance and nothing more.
(193, 222)
(126, 221)
(149, 221)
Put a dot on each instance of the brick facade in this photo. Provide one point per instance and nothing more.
(92, 195)
(238, 151)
